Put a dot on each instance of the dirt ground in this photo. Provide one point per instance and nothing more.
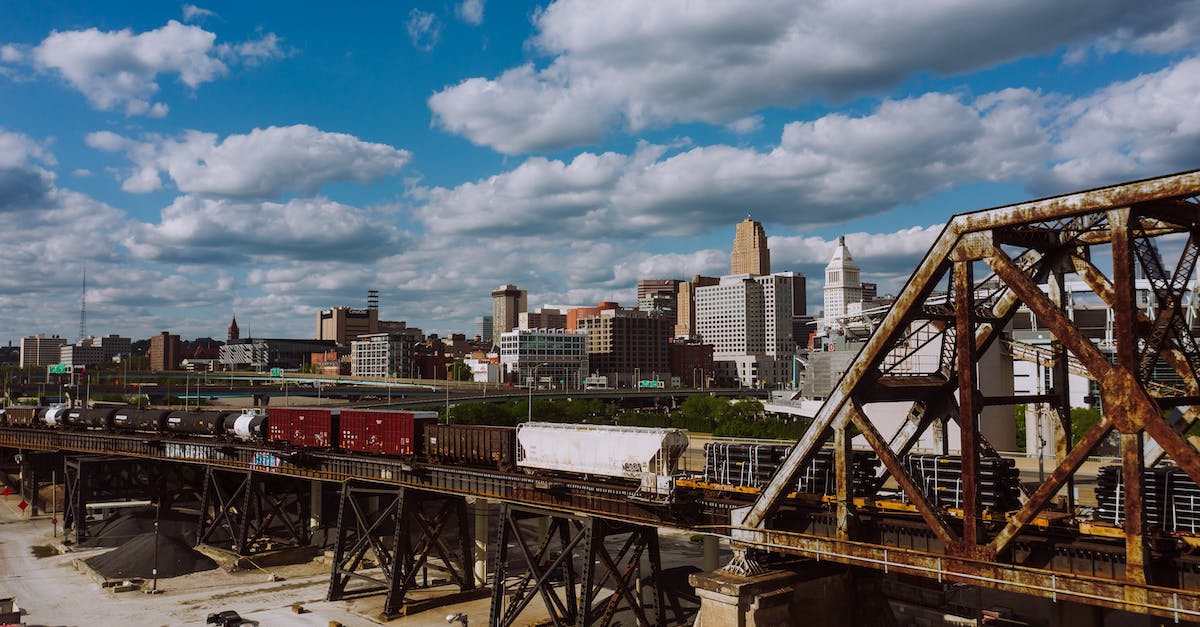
(52, 591)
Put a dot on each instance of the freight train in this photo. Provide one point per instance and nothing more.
(602, 452)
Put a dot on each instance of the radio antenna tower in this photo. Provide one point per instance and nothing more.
(83, 307)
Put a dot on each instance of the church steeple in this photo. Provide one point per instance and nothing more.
(234, 332)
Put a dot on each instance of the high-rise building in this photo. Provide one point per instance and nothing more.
(39, 350)
(685, 305)
(483, 328)
(542, 319)
(660, 296)
(343, 324)
(750, 254)
(164, 352)
(748, 321)
(381, 355)
(508, 303)
(870, 291)
(843, 284)
(624, 344)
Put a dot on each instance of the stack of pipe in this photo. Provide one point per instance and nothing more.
(940, 479)
(750, 465)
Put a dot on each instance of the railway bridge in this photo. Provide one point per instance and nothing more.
(957, 304)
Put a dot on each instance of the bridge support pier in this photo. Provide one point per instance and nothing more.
(95, 478)
(712, 553)
(482, 511)
(399, 537)
(241, 513)
(574, 551)
(807, 592)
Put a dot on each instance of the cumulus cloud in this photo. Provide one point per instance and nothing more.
(681, 61)
(193, 13)
(263, 163)
(424, 29)
(121, 69)
(470, 11)
(228, 232)
(1147, 125)
(25, 182)
(832, 169)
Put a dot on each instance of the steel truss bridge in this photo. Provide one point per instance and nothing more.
(983, 266)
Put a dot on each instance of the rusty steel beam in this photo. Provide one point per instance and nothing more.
(1164, 602)
(968, 395)
(1048, 314)
(1171, 187)
(932, 517)
(1042, 495)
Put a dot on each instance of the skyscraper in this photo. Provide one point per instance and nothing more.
(508, 303)
(750, 254)
(843, 284)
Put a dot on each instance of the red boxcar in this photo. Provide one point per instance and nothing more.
(302, 426)
(385, 432)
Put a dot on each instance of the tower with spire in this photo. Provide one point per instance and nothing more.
(234, 332)
(843, 284)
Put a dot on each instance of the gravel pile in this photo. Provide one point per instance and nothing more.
(135, 558)
(125, 526)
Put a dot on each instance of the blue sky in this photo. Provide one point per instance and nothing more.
(269, 159)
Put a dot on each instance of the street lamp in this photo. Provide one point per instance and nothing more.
(531, 386)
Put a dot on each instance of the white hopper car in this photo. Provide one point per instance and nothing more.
(602, 451)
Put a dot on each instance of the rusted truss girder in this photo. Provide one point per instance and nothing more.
(248, 512)
(553, 558)
(1027, 249)
(397, 531)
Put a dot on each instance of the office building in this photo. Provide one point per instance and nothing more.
(381, 355)
(343, 324)
(483, 328)
(748, 321)
(508, 303)
(542, 319)
(40, 350)
(627, 345)
(164, 352)
(685, 303)
(843, 285)
(750, 253)
(261, 354)
(544, 357)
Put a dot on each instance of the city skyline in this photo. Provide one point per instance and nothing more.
(268, 161)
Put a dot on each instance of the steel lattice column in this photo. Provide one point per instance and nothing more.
(553, 560)
(399, 537)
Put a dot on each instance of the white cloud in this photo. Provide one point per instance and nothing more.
(683, 61)
(470, 11)
(229, 232)
(424, 29)
(830, 170)
(193, 13)
(1147, 125)
(746, 125)
(11, 54)
(263, 163)
(255, 52)
(121, 70)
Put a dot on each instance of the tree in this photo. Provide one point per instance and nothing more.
(459, 371)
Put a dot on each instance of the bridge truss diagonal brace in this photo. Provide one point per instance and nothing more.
(239, 512)
(553, 558)
(396, 530)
